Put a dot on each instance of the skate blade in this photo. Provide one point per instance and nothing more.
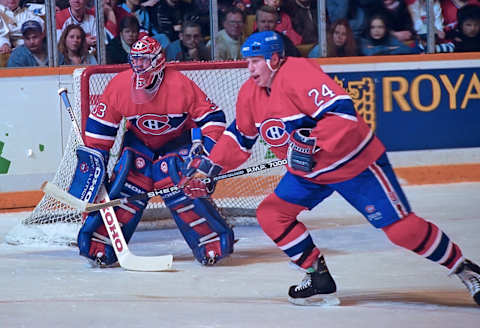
(316, 300)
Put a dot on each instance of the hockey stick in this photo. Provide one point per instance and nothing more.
(126, 259)
(84, 206)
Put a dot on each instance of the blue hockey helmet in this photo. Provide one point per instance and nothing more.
(263, 44)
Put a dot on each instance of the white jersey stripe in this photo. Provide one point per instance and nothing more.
(328, 104)
(295, 241)
(98, 136)
(434, 246)
(103, 122)
(231, 135)
(344, 159)
(447, 253)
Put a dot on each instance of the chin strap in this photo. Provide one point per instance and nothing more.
(274, 70)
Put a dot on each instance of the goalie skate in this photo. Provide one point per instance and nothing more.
(317, 288)
(469, 274)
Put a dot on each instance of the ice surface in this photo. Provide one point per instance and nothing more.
(379, 284)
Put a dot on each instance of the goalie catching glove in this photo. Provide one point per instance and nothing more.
(301, 148)
(193, 177)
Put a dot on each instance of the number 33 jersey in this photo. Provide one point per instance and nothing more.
(301, 96)
(178, 105)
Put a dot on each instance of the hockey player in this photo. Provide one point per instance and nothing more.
(305, 117)
(160, 106)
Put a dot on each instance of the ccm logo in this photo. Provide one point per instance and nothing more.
(111, 226)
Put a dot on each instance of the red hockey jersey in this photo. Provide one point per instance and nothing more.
(178, 105)
(301, 96)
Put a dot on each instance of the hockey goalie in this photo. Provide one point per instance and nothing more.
(161, 107)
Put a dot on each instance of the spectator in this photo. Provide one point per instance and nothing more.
(230, 39)
(468, 35)
(113, 15)
(398, 19)
(189, 46)
(34, 50)
(418, 12)
(304, 18)
(142, 14)
(267, 19)
(61, 4)
(336, 10)
(449, 12)
(247, 6)
(340, 41)
(13, 18)
(119, 49)
(357, 18)
(168, 16)
(77, 13)
(73, 47)
(201, 9)
(379, 41)
(284, 24)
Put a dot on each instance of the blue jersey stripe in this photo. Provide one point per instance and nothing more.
(217, 116)
(96, 127)
(244, 141)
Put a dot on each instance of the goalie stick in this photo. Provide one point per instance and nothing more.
(67, 198)
(126, 259)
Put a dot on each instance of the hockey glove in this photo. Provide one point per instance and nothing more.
(197, 178)
(301, 148)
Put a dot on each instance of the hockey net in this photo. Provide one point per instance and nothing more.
(52, 222)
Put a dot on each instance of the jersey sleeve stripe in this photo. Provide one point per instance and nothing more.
(243, 140)
(345, 159)
(328, 106)
(345, 116)
(234, 137)
(103, 122)
(216, 116)
(210, 124)
(99, 136)
(98, 128)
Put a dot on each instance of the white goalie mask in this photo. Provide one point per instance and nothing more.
(147, 60)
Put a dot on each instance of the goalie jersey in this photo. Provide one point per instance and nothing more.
(178, 106)
(297, 99)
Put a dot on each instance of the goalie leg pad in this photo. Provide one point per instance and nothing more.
(204, 229)
(89, 173)
(93, 240)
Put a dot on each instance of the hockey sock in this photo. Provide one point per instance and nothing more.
(425, 239)
(278, 220)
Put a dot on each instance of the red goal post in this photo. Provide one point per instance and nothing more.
(236, 197)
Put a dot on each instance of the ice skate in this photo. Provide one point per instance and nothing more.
(317, 287)
(469, 274)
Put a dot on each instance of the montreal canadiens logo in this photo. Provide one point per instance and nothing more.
(153, 124)
(83, 167)
(370, 208)
(274, 133)
(164, 167)
(139, 163)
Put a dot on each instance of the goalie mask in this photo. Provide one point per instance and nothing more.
(147, 60)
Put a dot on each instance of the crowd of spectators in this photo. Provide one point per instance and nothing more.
(354, 28)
